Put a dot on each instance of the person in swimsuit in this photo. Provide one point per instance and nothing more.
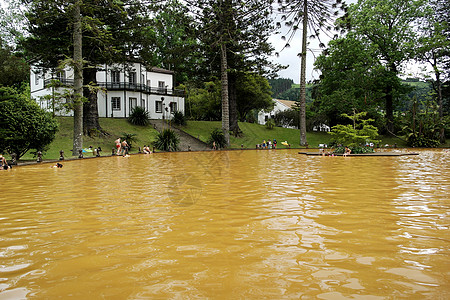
(117, 146)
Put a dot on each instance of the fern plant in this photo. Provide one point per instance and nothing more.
(167, 140)
(218, 137)
(178, 118)
(139, 116)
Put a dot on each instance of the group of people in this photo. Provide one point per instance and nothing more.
(267, 145)
(121, 147)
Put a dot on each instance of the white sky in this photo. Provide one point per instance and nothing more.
(289, 57)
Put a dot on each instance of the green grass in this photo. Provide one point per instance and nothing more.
(255, 134)
(114, 127)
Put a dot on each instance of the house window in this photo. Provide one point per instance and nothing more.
(161, 86)
(132, 78)
(61, 76)
(173, 107)
(158, 107)
(142, 79)
(36, 78)
(115, 103)
(115, 76)
(133, 103)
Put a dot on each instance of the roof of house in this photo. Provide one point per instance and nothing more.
(287, 103)
(160, 70)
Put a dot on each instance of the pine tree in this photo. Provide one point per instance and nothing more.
(312, 16)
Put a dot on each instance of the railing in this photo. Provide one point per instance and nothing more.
(113, 86)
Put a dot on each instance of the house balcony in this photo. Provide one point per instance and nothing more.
(120, 86)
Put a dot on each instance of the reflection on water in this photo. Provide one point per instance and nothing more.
(237, 224)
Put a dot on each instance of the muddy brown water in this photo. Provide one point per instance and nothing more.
(227, 225)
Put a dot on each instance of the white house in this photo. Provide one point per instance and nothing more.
(280, 105)
(122, 87)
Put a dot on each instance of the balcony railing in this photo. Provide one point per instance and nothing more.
(120, 86)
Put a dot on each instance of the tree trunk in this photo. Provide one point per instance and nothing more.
(389, 109)
(439, 101)
(78, 80)
(303, 141)
(234, 126)
(90, 107)
(224, 82)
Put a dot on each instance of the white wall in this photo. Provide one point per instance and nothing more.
(277, 108)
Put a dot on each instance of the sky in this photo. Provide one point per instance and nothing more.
(289, 57)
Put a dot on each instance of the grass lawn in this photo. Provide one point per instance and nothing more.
(114, 127)
(255, 134)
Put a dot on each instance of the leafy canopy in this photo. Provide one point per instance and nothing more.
(23, 124)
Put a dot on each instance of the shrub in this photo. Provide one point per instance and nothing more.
(355, 150)
(218, 137)
(178, 118)
(23, 124)
(167, 140)
(139, 116)
(270, 124)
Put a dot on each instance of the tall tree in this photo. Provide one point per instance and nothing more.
(176, 45)
(312, 16)
(234, 34)
(434, 45)
(389, 27)
(78, 78)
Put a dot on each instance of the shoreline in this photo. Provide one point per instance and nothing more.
(384, 152)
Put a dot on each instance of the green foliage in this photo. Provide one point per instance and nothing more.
(175, 42)
(13, 69)
(270, 124)
(252, 92)
(139, 116)
(355, 150)
(130, 138)
(23, 124)
(204, 103)
(422, 125)
(287, 118)
(280, 85)
(178, 118)
(218, 137)
(361, 132)
(167, 140)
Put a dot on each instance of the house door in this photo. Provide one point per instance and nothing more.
(133, 103)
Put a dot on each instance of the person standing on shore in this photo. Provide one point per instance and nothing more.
(124, 147)
(117, 142)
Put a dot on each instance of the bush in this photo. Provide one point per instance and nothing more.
(23, 124)
(218, 137)
(167, 140)
(355, 150)
(178, 118)
(270, 124)
(139, 116)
